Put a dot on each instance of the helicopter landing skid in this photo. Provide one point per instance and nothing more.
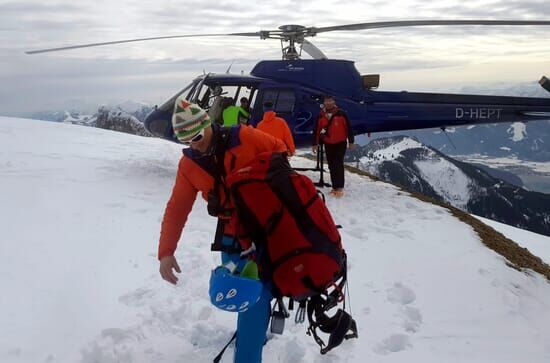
(319, 167)
(321, 182)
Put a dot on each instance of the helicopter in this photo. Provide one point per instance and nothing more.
(296, 87)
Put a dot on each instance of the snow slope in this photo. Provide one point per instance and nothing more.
(447, 180)
(538, 244)
(80, 210)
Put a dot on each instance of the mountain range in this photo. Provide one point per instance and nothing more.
(124, 117)
(525, 141)
(478, 190)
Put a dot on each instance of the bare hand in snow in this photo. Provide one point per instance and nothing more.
(168, 263)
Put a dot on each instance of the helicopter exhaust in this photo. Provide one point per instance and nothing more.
(545, 83)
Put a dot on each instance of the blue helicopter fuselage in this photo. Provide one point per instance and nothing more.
(296, 89)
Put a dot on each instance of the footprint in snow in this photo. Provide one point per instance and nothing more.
(400, 294)
(393, 344)
(293, 352)
(412, 319)
(137, 297)
(411, 316)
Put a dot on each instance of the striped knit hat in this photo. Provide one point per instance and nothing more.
(188, 119)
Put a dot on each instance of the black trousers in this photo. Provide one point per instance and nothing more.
(335, 159)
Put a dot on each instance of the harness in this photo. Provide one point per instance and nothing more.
(216, 207)
(341, 326)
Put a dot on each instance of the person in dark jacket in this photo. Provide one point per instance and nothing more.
(333, 130)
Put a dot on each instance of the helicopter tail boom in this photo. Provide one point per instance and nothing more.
(389, 111)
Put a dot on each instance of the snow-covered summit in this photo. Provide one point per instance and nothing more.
(80, 214)
(131, 106)
(476, 189)
(517, 132)
(428, 168)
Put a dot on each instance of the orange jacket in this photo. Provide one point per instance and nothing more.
(277, 127)
(196, 174)
(339, 128)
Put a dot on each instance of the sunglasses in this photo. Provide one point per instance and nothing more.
(198, 137)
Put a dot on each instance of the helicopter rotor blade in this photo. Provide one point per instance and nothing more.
(295, 32)
(409, 23)
(257, 34)
(312, 50)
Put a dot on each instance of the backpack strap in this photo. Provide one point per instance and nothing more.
(329, 123)
(220, 355)
(338, 112)
(217, 207)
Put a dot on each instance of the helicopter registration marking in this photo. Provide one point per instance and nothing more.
(478, 113)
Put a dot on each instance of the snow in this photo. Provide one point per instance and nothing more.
(447, 180)
(83, 119)
(130, 106)
(505, 148)
(518, 131)
(540, 167)
(80, 216)
(537, 244)
(392, 152)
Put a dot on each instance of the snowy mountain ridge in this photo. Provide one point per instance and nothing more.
(79, 273)
(417, 167)
(126, 117)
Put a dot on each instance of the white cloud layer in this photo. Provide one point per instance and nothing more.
(408, 58)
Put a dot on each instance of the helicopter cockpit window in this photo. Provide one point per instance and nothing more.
(201, 94)
(168, 106)
(221, 97)
(283, 100)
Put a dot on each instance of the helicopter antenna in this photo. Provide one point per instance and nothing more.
(444, 129)
(229, 68)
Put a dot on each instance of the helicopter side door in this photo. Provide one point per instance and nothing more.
(298, 106)
(284, 103)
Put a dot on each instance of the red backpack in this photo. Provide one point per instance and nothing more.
(298, 246)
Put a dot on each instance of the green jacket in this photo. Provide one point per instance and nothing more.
(233, 115)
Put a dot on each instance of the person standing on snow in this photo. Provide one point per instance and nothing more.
(277, 127)
(333, 130)
(196, 174)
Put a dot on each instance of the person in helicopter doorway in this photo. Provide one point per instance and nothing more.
(333, 130)
(277, 127)
(234, 115)
(245, 104)
(197, 174)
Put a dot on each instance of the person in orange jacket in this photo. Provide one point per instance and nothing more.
(196, 174)
(277, 127)
(333, 129)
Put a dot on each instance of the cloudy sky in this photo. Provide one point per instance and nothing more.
(429, 58)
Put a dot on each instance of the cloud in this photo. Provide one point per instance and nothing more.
(151, 71)
(49, 82)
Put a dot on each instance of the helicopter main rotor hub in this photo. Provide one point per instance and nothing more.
(292, 34)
